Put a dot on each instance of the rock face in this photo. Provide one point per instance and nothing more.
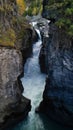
(58, 94)
(12, 104)
(10, 69)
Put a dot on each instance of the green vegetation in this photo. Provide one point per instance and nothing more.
(12, 25)
(62, 12)
(12, 36)
(29, 7)
(7, 32)
(33, 7)
(23, 27)
(21, 6)
(5, 8)
(8, 37)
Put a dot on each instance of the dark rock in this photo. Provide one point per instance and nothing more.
(17, 113)
(43, 55)
(58, 94)
(49, 13)
(37, 110)
(34, 36)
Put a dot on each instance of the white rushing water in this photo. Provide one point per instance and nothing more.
(34, 83)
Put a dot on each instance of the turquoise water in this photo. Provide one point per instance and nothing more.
(34, 82)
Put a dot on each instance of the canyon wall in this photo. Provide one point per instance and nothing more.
(16, 39)
(57, 52)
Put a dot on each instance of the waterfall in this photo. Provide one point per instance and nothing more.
(34, 83)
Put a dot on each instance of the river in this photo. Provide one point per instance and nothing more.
(34, 82)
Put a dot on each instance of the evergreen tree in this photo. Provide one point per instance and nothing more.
(62, 12)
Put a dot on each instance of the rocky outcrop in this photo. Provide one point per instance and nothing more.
(25, 46)
(44, 30)
(16, 39)
(58, 94)
(13, 106)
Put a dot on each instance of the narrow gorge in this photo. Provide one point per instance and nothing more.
(34, 82)
(36, 65)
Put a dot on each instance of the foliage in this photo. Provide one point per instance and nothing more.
(12, 25)
(8, 37)
(23, 27)
(33, 8)
(62, 12)
(21, 6)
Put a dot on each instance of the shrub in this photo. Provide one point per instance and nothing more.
(8, 37)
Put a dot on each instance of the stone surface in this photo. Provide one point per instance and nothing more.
(12, 61)
(13, 106)
(57, 52)
(11, 100)
(15, 114)
(58, 94)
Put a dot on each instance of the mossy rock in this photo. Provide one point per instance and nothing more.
(8, 37)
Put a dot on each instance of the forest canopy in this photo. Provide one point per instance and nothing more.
(62, 12)
(29, 7)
